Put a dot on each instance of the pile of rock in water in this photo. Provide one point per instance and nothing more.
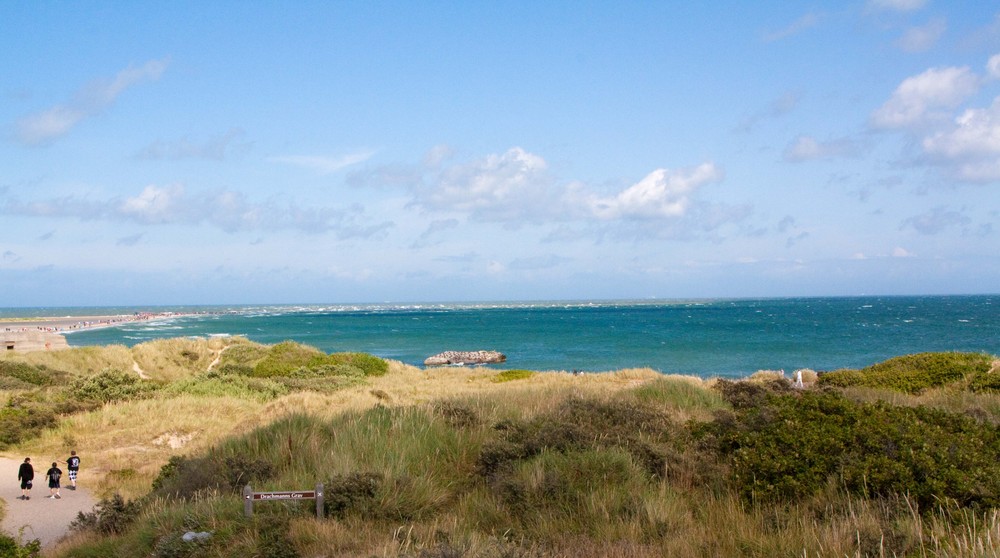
(459, 358)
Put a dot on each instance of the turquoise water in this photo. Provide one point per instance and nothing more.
(706, 337)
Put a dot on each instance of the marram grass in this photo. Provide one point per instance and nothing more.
(449, 462)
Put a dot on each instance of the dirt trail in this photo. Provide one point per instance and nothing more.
(43, 518)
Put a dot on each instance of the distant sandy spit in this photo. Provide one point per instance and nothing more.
(67, 324)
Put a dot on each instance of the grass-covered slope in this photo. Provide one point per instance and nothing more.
(475, 462)
(917, 373)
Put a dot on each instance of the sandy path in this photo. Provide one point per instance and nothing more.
(42, 518)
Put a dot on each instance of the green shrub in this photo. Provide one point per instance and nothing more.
(19, 374)
(913, 373)
(578, 425)
(24, 417)
(285, 357)
(791, 446)
(184, 477)
(514, 374)
(457, 415)
(370, 365)
(111, 385)
(111, 516)
(221, 384)
(352, 494)
(233, 369)
(16, 547)
(243, 354)
(244, 470)
(289, 358)
(321, 384)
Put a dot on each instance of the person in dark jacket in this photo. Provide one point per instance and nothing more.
(26, 474)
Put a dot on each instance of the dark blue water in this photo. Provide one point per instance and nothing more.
(706, 338)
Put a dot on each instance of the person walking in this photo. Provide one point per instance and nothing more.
(53, 475)
(26, 474)
(73, 467)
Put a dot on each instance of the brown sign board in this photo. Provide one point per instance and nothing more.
(249, 496)
(286, 495)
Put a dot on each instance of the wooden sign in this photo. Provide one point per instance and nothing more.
(249, 496)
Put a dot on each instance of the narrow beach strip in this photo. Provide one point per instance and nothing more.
(69, 324)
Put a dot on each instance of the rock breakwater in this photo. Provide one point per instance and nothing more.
(465, 357)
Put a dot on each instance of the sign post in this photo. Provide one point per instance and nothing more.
(249, 497)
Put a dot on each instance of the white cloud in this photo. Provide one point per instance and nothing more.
(324, 164)
(497, 187)
(918, 97)
(897, 5)
(972, 144)
(438, 155)
(516, 189)
(900, 252)
(796, 27)
(806, 148)
(993, 66)
(155, 204)
(53, 123)
(227, 210)
(662, 193)
(921, 39)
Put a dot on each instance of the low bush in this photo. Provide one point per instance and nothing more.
(24, 417)
(184, 477)
(370, 365)
(16, 547)
(457, 415)
(511, 375)
(913, 373)
(21, 375)
(577, 425)
(286, 357)
(111, 516)
(222, 384)
(352, 494)
(111, 385)
(790, 446)
(293, 359)
(243, 354)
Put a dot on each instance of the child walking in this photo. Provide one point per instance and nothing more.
(73, 466)
(53, 475)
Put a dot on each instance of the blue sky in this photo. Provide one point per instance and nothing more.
(297, 152)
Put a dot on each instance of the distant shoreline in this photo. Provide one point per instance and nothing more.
(70, 324)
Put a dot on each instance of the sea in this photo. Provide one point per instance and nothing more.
(707, 338)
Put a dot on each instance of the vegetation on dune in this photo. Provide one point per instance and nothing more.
(513, 374)
(289, 358)
(787, 446)
(919, 372)
(471, 463)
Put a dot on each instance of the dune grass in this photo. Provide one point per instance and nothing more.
(450, 462)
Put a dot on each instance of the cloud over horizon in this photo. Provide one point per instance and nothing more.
(966, 145)
(49, 125)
